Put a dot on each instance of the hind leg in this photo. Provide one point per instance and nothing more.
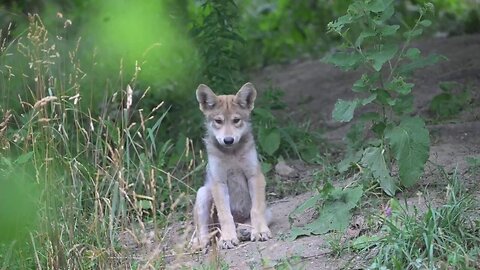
(203, 207)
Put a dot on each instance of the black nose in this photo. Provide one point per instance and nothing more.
(228, 140)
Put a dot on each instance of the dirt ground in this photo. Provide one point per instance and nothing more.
(311, 90)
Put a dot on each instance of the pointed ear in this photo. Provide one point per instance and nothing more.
(206, 97)
(245, 97)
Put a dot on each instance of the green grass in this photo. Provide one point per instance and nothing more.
(444, 237)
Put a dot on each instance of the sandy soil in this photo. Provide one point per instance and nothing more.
(311, 89)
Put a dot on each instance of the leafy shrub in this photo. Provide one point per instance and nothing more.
(215, 30)
(276, 136)
(398, 137)
(450, 102)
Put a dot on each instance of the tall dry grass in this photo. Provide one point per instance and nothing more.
(97, 174)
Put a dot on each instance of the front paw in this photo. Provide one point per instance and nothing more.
(228, 241)
(262, 234)
(201, 244)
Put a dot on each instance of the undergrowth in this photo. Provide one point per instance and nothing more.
(444, 237)
(77, 175)
(89, 177)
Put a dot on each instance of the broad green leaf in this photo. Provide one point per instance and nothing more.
(338, 24)
(271, 142)
(420, 62)
(355, 136)
(413, 33)
(374, 160)
(344, 109)
(334, 214)
(368, 100)
(363, 35)
(412, 53)
(399, 85)
(344, 60)
(447, 104)
(386, 53)
(387, 13)
(410, 144)
(348, 161)
(383, 96)
(403, 104)
(364, 83)
(311, 202)
(426, 23)
(389, 30)
(378, 5)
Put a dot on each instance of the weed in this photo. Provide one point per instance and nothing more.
(334, 207)
(444, 237)
(216, 31)
(398, 136)
(450, 102)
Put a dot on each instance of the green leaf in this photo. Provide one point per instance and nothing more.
(369, 99)
(420, 62)
(344, 109)
(386, 53)
(338, 25)
(334, 214)
(399, 85)
(378, 5)
(412, 53)
(344, 60)
(403, 104)
(389, 30)
(447, 104)
(348, 161)
(413, 33)
(271, 142)
(266, 167)
(309, 203)
(383, 96)
(363, 35)
(426, 23)
(24, 158)
(374, 160)
(364, 83)
(410, 144)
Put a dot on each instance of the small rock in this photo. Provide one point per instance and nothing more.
(283, 169)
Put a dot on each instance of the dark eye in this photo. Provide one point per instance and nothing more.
(219, 121)
(236, 120)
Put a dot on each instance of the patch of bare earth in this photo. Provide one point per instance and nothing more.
(311, 90)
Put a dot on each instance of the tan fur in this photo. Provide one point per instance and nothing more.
(234, 183)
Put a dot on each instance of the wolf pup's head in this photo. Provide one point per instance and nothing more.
(227, 116)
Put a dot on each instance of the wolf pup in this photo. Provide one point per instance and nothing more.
(234, 189)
